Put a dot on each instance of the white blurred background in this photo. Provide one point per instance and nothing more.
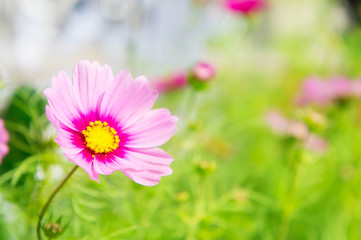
(150, 37)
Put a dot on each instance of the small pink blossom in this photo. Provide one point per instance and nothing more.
(204, 71)
(356, 88)
(319, 92)
(175, 81)
(316, 143)
(277, 122)
(340, 87)
(281, 125)
(316, 91)
(244, 6)
(4, 138)
(105, 123)
(296, 129)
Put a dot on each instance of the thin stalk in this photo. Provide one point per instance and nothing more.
(291, 192)
(51, 198)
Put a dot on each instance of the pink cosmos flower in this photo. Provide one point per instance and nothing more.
(316, 143)
(296, 129)
(317, 91)
(314, 90)
(356, 88)
(204, 71)
(105, 123)
(281, 125)
(175, 81)
(340, 87)
(244, 6)
(4, 138)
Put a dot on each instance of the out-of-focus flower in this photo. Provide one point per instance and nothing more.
(356, 88)
(244, 6)
(314, 120)
(319, 92)
(204, 71)
(4, 138)
(175, 81)
(340, 87)
(201, 74)
(182, 196)
(316, 143)
(296, 129)
(280, 125)
(204, 167)
(240, 195)
(105, 123)
(54, 229)
(315, 91)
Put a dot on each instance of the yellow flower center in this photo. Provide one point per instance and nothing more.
(100, 138)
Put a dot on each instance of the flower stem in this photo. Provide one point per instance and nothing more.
(51, 198)
(291, 191)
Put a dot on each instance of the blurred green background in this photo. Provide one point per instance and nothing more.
(234, 178)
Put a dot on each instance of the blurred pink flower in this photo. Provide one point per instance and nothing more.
(175, 81)
(280, 125)
(317, 91)
(244, 6)
(316, 143)
(4, 138)
(356, 88)
(296, 129)
(204, 71)
(277, 122)
(105, 123)
(340, 87)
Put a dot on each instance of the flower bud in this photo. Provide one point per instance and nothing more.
(244, 6)
(182, 196)
(175, 81)
(240, 195)
(315, 121)
(205, 168)
(53, 229)
(204, 71)
(201, 74)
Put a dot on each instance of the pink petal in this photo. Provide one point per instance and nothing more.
(204, 71)
(154, 129)
(278, 123)
(154, 163)
(4, 135)
(151, 159)
(51, 116)
(144, 166)
(84, 160)
(244, 6)
(70, 142)
(4, 149)
(105, 167)
(128, 99)
(63, 104)
(316, 143)
(114, 161)
(90, 81)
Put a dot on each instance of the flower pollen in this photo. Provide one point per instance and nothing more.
(100, 138)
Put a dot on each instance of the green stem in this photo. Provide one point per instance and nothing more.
(291, 191)
(51, 198)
